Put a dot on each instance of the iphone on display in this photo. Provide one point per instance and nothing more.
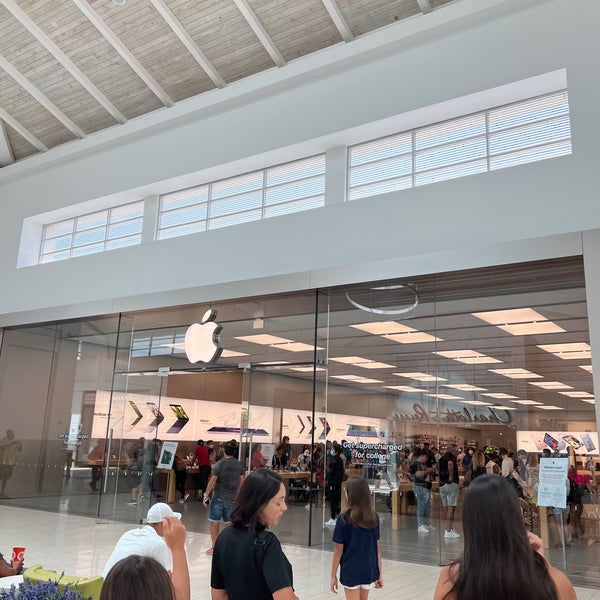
(572, 441)
(587, 442)
(550, 441)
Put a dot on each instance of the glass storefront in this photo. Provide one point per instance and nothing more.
(488, 358)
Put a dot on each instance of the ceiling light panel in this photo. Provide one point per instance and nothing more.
(468, 357)
(383, 327)
(350, 360)
(264, 339)
(476, 403)
(574, 347)
(548, 407)
(532, 328)
(465, 387)
(551, 385)
(577, 394)
(232, 353)
(507, 317)
(587, 368)
(417, 337)
(527, 402)
(499, 396)
(356, 379)
(445, 396)
(589, 400)
(404, 388)
(420, 376)
(516, 373)
(296, 347)
(306, 369)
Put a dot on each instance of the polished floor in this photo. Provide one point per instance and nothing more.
(80, 546)
(62, 532)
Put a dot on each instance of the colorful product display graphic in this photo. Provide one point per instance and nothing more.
(582, 442)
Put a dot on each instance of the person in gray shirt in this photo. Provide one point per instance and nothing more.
(224, 483)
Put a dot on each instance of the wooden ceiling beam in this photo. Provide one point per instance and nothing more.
(425, 6)
(338, 19)
(22, 131)
(63, 59)
(41, 98)
(189, 43)
(109, 35)
(260, 32)
(6, 155)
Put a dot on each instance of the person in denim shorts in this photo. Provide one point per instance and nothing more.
(224, 483)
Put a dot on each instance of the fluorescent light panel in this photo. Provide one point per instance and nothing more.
(383, 327)
(306, 369)
(551, 385)
(296, 347)
(403, 388)
(548, 407)
(577, 394)
(476, 403)
(445, 396)
(587, 368)
(468, 357)
(465, 387)
(358, 361)
(589, 401)
(264, 338)
(356, 379)
(519, 321)
(232, 353)
(420, 376)
(516, 373)
(527, 402)
(416, 337)
(499, 396)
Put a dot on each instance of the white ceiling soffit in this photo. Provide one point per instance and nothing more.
(6, 156)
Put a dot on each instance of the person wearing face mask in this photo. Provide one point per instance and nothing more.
(467, 459)
(248, 562)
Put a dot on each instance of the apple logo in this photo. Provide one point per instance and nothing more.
(202, 339)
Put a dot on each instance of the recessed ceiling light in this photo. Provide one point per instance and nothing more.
(586, 368)
(528, 402)
(295, 347)
(499, 396)
(383, 327)
(573, 351)
(513, 315)
(403, 388)
(357, 379)
(350, 360)
(516, 373)
(476, 403)
(465, 387)
(532, 328)
(264, 339)
(420, 376)
(502, 407)
(375, 365)
(577, 394)
(445, 396)
(547, 407)
(469, 357)
(306, 369)
(416, 337)
(589, 400)
(232, 353)
(551, 385)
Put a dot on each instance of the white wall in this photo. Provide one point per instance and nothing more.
(523, 213)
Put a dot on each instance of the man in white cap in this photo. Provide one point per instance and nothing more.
(145, 541)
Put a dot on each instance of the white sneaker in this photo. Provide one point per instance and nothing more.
(430, 527)
(423, 529)
(451, 535)
(330, 523)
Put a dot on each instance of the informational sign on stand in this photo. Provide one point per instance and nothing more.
(167, 455)
(552, 488)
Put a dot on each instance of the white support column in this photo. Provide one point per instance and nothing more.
(335, 175)
(591, 264)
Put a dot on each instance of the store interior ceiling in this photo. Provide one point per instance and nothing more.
(450, 307)
(70, 69)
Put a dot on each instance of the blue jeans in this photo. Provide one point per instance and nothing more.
(219, 509)
(423, 496)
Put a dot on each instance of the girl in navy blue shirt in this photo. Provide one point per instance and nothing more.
(356, 538)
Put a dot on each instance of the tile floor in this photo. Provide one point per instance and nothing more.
(80, 546)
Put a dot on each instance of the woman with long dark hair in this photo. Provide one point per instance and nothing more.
(248, 562)
(492, 523)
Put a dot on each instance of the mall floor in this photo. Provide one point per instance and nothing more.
(80, 545)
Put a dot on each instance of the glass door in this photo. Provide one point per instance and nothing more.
(124, 463)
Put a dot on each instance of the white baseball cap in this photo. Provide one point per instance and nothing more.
(159, 511)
